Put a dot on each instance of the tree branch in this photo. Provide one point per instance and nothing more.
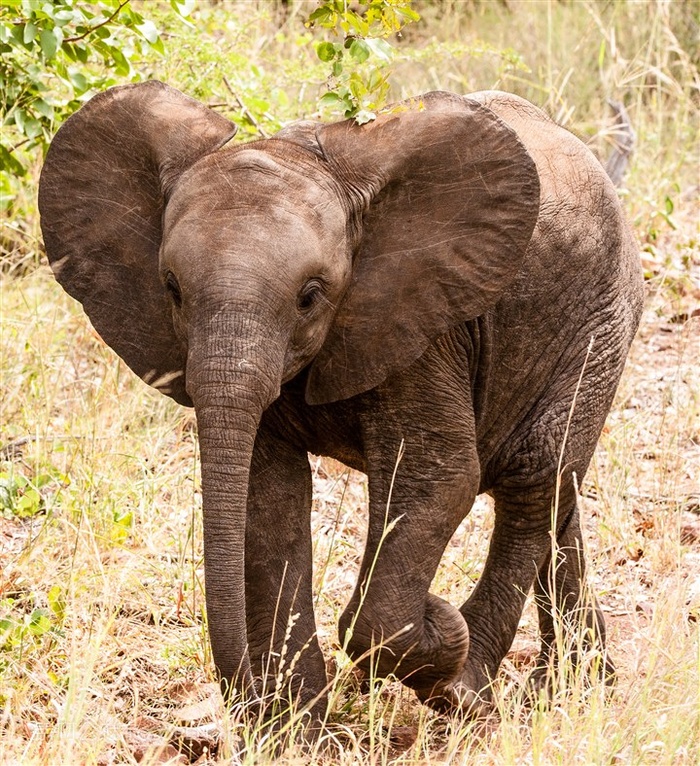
(246, 112)
(97, 26)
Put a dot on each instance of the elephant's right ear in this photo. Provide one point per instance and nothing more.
(102, 194)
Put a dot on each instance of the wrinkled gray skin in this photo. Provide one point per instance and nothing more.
(435, 279)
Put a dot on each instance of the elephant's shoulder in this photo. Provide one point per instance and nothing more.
(509, 107)
(574, 186)
(550, 145)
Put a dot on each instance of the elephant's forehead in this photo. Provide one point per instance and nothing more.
(249, 185)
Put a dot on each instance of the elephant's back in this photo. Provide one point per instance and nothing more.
(582, 246)
(562, 160)
(580, 280)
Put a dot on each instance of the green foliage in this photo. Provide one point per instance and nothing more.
(122, 524)
(24, 625)
(24, 498)
(54, 55)
(352, 89)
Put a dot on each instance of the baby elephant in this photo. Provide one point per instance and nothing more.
(455, 277)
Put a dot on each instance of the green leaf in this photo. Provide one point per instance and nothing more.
(49, 43)
(324, 16)
(17, 34)
(358, 24)
(47, 10)
(30, 32)
(43, 480)
(121, 63)
(6, 625)
(70, 50)
(57, 602)
(364, 116)
(326, 51)
(149, 31)
(407, 13)
(63, 17)
(357, 86)
(134, 18)
(32, 128)
(81, 53)
(330, 99)
(6, 484)
(79, 82)
(20, 118)
(29, 503)
(8, 162)
(123, 523)
(375, 80)
(359, 51)
(158, 46)
(183, 7)
(380, 48)
(39, 622)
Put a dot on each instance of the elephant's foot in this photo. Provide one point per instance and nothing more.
(546, 678)
(425, 654)
(457, 697)
(291, 689)
(468, 694)
(287, 712)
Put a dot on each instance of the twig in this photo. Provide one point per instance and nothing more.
(624, 138)
(246, 112)
(17, 146)
(13, 449)
(97, 26)
(690, 504)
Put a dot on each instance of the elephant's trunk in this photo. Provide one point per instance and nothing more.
(230, 391)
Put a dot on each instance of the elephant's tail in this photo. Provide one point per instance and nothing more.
(624, 138)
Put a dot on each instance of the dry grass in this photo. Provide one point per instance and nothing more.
(103, 649)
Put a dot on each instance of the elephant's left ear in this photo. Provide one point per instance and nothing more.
(448, 198)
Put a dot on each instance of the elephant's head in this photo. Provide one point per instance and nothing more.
(219, 274)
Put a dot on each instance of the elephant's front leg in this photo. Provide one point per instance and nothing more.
(284, 652)
(392, 623)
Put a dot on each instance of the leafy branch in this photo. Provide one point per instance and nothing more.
(354, 88)
(55, 55)
(97, 26)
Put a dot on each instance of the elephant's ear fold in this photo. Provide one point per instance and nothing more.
(101, 196)
(449, 198)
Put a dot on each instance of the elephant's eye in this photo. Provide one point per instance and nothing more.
(173, 288)
(309, 295)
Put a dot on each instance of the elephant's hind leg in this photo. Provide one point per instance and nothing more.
(536, 514)
(519, 545)
(571, 623)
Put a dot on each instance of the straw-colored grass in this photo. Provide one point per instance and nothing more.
(103, 645)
